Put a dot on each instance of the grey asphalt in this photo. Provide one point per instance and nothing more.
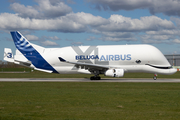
(87, 80)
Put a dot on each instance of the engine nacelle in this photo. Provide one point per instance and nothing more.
(114, 73)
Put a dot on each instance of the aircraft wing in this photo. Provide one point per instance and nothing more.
(90, 67)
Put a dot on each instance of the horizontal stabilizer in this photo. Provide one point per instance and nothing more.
(8, 55)
(27, 64)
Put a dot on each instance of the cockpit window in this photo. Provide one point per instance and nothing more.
(170, 67)
(138, 61)
(159, 67)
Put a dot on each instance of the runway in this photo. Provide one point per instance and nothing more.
(87, 80)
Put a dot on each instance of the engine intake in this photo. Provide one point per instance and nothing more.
(114, 73)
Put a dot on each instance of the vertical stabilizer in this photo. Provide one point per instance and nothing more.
(31, 52)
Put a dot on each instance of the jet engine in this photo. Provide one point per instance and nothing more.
(114, 73)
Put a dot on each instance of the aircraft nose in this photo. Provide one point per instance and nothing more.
(173, 70)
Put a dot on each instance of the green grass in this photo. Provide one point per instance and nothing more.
(15, 69)
(89, 101)
(38, 74)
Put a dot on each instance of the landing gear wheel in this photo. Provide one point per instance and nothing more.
(154, 77)
(98, 78)
(95, 78)
(92, 78)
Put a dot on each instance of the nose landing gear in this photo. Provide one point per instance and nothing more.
(155, 76)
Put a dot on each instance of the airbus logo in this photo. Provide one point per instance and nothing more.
(115, 57)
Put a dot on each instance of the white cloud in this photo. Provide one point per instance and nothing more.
(176, 41)
(24, 11)
(177, 21)
(91, 38)
(86, 19)
(49, 43)
(121, 23)
(47, 16)
(116, 5)
(73, 22)
(31, 37)
(45, 40)
(54, 38)
(156, 37)
(14, 22)
(164, 32)
(77, 43)
(116, 39)
(45, 9)
(168, 7)
(116, 36)
(120, 28)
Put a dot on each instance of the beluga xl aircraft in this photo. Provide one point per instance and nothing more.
(110, 60)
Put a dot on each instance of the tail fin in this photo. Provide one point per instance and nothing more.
(8, 55)
(31, 52)
(21, 43)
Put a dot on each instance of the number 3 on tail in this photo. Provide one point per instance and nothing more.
(9, 55)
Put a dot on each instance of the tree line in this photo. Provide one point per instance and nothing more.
(4, 64)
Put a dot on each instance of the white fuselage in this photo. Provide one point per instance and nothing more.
(130, 58)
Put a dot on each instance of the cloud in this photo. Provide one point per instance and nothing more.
(168, 7)
(31, 37)
(116, 5)
(45, 9)
(121, 23)
(14, 22)
(77, 43)
(164, 32)
(40, 18)
(44, 40)
(73, 22)
(120, 28)
(116, 39)
(54, 38)
(157, 38)
(117, 36)
(47, 16)
(176, 41)
(86, 19)
(49, 43)
(176, 20)
(91, 38)
(71, 2)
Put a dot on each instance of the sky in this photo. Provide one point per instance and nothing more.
(61, 23)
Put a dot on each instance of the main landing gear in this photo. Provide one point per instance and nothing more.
(95, 78)
(155, 76)
(96, 75)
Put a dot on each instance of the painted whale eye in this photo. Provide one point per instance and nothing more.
(138, 61)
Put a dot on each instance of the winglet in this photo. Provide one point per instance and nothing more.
(61, 59)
